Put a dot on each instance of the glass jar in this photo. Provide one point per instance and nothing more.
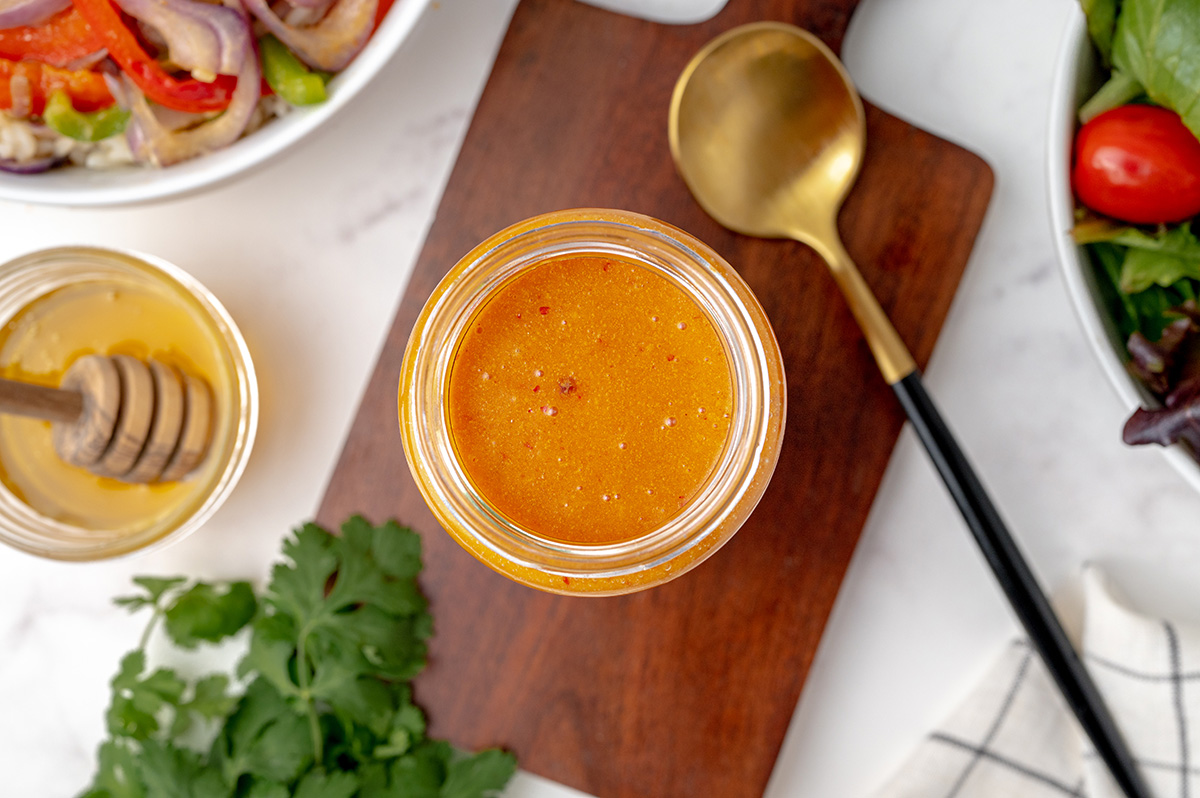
(725, 497)
(65, 526)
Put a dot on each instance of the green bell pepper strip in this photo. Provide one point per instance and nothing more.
(94, 126)
(287, 76)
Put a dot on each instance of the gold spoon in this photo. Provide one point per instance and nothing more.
(122, 418)
(767, 130)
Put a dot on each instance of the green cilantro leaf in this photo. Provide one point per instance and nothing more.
(272, 647)
(171, 772)
(264, 737)
(154, 587)
(209, 614)
(157, 586)
(263, 788)
(341, 609)
(116, 773)
(406, 730)
(397, 550)
(137, 701)
(209, 700)
(365, 702)
(327, 711)
(483, 774)
(422, 773)
(320, 784)
(298, 588)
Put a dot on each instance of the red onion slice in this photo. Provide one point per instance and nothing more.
(31, 167)
(152, 142)
(205, 39)
(17, 13)
(330, 44)
(85, 62)
(321, 5)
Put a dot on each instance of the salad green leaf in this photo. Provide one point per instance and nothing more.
(1101, 24)
(1117, 91)
(1163, 258)
(1157, 43)
(326, 711)
(1148, 311)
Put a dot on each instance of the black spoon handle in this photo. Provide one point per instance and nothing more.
(1019, 585)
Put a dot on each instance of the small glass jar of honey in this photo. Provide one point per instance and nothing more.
(592, 402)
(58, 305)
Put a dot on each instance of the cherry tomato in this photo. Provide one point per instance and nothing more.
(1138, 163)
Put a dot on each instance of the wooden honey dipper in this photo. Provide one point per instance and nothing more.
(120, 417)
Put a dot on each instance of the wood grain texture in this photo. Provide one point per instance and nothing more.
(686, 689)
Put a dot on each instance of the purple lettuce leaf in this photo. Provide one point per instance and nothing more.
(1178, 419)
(1157, 363)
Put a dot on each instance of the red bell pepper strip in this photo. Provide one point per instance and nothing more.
(381, 11)
(187, 94)
(58, 41)
(87, 90)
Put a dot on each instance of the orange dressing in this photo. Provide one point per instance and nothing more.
(589, 400)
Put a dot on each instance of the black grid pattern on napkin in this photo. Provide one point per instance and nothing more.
(1172, 704)
(1176, 678)
(984, 756)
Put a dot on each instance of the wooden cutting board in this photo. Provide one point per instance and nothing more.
(686, 689)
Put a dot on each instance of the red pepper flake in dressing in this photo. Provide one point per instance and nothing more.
(543, 310)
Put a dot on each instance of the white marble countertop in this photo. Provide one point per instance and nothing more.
(918, 617)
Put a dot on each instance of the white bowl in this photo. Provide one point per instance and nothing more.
(1076, 77)
(80, 187)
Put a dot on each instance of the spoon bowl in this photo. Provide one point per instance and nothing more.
(768, 132)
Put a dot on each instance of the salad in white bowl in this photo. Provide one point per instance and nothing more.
(1133, 145)
(110, 101)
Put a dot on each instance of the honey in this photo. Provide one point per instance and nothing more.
(105, 317)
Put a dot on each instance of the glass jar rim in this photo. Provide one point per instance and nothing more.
(23, 281)
(705, 278)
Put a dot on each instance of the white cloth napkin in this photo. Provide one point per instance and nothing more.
(1013, 736)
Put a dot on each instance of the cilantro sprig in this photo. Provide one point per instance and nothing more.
(326, 709)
